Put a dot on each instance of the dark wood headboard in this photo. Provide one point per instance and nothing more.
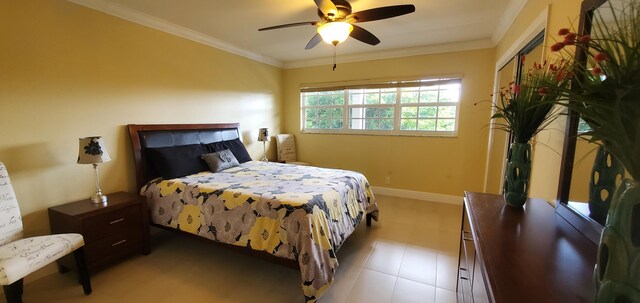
(145, 136)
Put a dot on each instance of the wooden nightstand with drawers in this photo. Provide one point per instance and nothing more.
(112, 230)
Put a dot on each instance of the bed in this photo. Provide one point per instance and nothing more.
(300, 215)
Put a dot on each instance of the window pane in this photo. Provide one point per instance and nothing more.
(356, 99)
(311, 99)
(356, 124)
(386, 124)
(336, 113)
(446, 111)
(357, 112)
(427, 112)
(336, 124)
(429, 96)
(446, 124)
(371, 112)
(386, 112)
(409, 97)
(427, 124)
(408, 124)
(338, 99)
(450, 93)
(324, 123)
(409, 112)
(324, 112)
(310, 113)
(372, 99)
(371, 124)
(388, 98)
(310, 124)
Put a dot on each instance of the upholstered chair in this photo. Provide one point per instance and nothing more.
(20, 257)
(286, 146)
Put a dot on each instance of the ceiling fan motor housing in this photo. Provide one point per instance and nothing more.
(344, 9)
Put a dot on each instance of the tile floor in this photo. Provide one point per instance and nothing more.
(409, 256)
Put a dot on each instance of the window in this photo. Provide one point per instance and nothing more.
(426, 107)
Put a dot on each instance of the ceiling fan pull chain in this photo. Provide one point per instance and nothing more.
(334, 57)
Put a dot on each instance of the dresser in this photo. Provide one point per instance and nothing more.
(111, 230)
(522, 255)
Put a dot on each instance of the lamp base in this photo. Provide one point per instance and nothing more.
(99, 198)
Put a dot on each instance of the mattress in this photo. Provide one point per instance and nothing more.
(294, 212)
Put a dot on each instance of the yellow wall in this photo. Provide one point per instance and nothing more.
(546, 154)
(427, 164)
(67, 71)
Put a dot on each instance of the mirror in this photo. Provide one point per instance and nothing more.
(578, 155)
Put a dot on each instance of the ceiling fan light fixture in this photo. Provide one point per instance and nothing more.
(335, 32)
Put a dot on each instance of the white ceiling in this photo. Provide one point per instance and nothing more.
(436, 26)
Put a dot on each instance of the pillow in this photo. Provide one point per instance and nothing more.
(236, 147)
(178, 161)
(220, 161)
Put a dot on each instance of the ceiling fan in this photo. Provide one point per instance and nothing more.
(337, 22)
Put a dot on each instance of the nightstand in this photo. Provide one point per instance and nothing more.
(111, 230)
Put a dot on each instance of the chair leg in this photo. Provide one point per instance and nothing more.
(83, 272)
(13, 291)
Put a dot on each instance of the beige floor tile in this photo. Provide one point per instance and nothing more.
(372, 287)
(445, 296)
(416, 240)
(446, 271)
(419, 264)
(386, 257)
(407, 291)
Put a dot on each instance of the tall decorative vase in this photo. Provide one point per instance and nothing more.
(617, 271)
(517, 174)
(606, 169)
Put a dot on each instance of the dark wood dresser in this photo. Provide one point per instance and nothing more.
(522, 255)
(111, 231)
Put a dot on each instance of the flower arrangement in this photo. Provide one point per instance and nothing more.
(527, 108)
(607, 94)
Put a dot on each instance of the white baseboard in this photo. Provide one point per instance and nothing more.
(418, 195)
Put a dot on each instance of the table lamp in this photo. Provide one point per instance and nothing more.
(263, 136)
(92, 151)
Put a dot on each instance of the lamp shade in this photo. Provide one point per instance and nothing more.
(335, 32)
(263, 134)
(92, 150)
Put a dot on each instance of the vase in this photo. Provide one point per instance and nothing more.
(517, 174)
(604, 174)
(617, 271)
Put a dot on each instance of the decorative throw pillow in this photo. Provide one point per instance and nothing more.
(178, 161)
(220, 161)
(236, 147)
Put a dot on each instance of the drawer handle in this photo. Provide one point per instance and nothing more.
(464, 278)
(465, 237)
(119, 242)
(116, 221)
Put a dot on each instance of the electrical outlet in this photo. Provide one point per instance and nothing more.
(387, 180)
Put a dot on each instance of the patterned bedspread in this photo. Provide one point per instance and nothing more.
(300, 213)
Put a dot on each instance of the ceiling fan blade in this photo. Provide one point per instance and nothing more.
(288, 25)
(364, 35)
(382, 13)
(326, 7)
(313, 42)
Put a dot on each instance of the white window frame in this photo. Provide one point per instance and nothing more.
(397, 106)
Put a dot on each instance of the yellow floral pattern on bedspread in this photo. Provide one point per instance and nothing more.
(295, 212)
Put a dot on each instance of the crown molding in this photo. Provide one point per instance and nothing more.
(508, 17)
(396, 53)
(171, 28)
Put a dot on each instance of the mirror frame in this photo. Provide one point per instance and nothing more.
(583, 223)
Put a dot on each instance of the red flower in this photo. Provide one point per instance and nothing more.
(516, 89)
(560, 76)
(599, 57)
(597, 70)
(563, 31)
(569, 42)
(558, 46)
(522, 59)
(543, 91)
(570, 36)
(585, 39)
